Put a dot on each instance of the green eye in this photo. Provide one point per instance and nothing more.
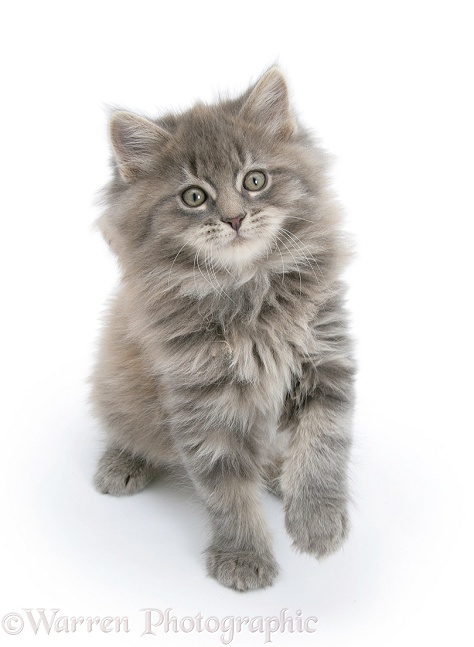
(194, 196)
(255, 180)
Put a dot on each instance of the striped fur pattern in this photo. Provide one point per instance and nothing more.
(225, 349)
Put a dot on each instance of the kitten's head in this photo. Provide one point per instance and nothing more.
(229, 186)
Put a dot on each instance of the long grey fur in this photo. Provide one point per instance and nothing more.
(227, 351)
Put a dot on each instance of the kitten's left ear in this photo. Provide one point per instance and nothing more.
(268, 104)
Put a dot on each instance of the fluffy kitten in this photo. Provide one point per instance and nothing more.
(226, 350)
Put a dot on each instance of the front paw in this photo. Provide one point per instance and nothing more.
(241, 570)
(120, 473)
(317, 526)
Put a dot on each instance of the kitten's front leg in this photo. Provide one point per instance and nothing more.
(314, 479)
(222, 467)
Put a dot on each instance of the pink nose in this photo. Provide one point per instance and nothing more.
(234, 222)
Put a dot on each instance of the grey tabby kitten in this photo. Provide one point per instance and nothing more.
(226, 350)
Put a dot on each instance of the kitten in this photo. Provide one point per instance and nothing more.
(225, 350)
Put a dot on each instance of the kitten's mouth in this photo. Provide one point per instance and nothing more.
(238, 239)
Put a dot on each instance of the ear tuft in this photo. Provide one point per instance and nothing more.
(135, 142)
(268, 104)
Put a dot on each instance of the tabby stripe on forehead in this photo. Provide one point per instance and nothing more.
(193, 165)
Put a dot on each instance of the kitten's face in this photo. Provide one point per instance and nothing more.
(214, 185)
(230, 211)
(227, 192)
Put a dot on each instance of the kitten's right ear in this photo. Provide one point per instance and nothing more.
(135, 141)
(268, 104)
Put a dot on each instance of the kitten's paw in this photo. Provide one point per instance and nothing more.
(120, 473)
(317, 527)
(241, 570)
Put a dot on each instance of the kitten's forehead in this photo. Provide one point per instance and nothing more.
(210, 141)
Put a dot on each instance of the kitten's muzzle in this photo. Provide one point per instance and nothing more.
(234, 222)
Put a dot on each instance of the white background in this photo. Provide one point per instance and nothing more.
(388, 88)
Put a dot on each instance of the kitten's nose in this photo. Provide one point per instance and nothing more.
(234, 222)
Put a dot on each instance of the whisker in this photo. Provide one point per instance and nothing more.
(301, 245)
(206, 265)
(296, 262)
(209, 266)
(299, 218)
(202, 273)
(211, 273)
(194, 270)
(298, 244)
(174, 260)
(213, 267)
(275, 238)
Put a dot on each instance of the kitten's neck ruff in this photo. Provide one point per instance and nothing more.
(203, 277)
(222, 283)
(224, 302)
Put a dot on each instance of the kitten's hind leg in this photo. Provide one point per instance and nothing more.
(121, 473)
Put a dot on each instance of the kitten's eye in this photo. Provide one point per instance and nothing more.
(194, 196)
(255, 180)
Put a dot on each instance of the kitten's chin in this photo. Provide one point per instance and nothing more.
(238, 252)
(238, 239)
